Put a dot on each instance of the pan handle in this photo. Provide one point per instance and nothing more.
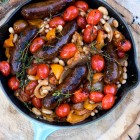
(42, 131)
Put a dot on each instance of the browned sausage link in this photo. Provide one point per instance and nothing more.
(70, 84)
(112, 68)
(26, 36)
(52, 48)
(44, 9)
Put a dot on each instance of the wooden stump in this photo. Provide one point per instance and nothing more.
(121, 124)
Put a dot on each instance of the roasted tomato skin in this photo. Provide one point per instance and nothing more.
(63, 110)
(5, 68)
(13, 83)
(70, 13)
(37, 44)
(82, 5)
(56, 21)
(43, 71)
(121, 54)
(108, 101)
(97, 62)
(80, 96)
(96, 96)
(81, 21)
(124, 45)
(89, 34)
(68, 51)
(94, 17)
(36, 102)
(29, 89)
(110, 89)
(32, 70)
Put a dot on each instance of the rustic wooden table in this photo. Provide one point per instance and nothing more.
(118, 125)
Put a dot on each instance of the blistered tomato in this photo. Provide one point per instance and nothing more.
(82, 5)
(94, 17)
(63, 110)
(32, 70)
(5, 68)
(90, 34)
(81, 21)
(108, 101)
(71, 13)
(43, 71)
(110, 89)
(96, 96)
(13, 83)
(36, 44)
(68, 51)
(97, 62)
(36, 102)
(56, 21)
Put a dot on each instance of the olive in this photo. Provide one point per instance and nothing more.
(20, 25)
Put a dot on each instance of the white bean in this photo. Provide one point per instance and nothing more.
(59, 28)
(91, 102)
(36, 111)
(125, 63)
(117, 35)
(47, 26)
(124, 69)
(15, 38)
(103, 10)
(56, 60)
(96, 111)
(61, 62)
(92, 114)
(105, 17)
(46, 111)
(115, 23)
(124, 81)
(11, 30)
(47, 30)
(31, 77)
(119, 85)
(125, 76)
(102, 21)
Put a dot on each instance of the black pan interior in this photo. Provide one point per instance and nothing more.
(133, 73)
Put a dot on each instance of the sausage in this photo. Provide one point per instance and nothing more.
(69, 85)
(44, 9)
(112, 68)
(53, 47)
(26, 36)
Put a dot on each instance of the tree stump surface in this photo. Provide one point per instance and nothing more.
(121, 124)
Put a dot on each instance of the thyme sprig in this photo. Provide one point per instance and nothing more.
(25, 61)
(61, 96)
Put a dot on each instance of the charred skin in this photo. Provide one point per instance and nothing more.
(112, 67)
(53, 47)
(44, 9)
(70, 84)
(26, 36)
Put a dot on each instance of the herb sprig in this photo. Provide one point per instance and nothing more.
(60, 96)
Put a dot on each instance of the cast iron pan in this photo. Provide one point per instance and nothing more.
(132, 81)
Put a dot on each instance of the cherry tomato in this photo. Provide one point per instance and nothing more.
(110, 89)
(36, 44)
(124, 45)
(62, 110)
(68, 51)
(56, 21)
(97, 62)
(13, 83)
(121, 54)
(71, 13)
(108, 101)
(32, 70)
(90, 34)
(29, 89)
(94, 17)
(5, 68)
(43, 71)
(96, 96)
(80, 96)
(82, 5)
(81, 21)
(36, 102)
